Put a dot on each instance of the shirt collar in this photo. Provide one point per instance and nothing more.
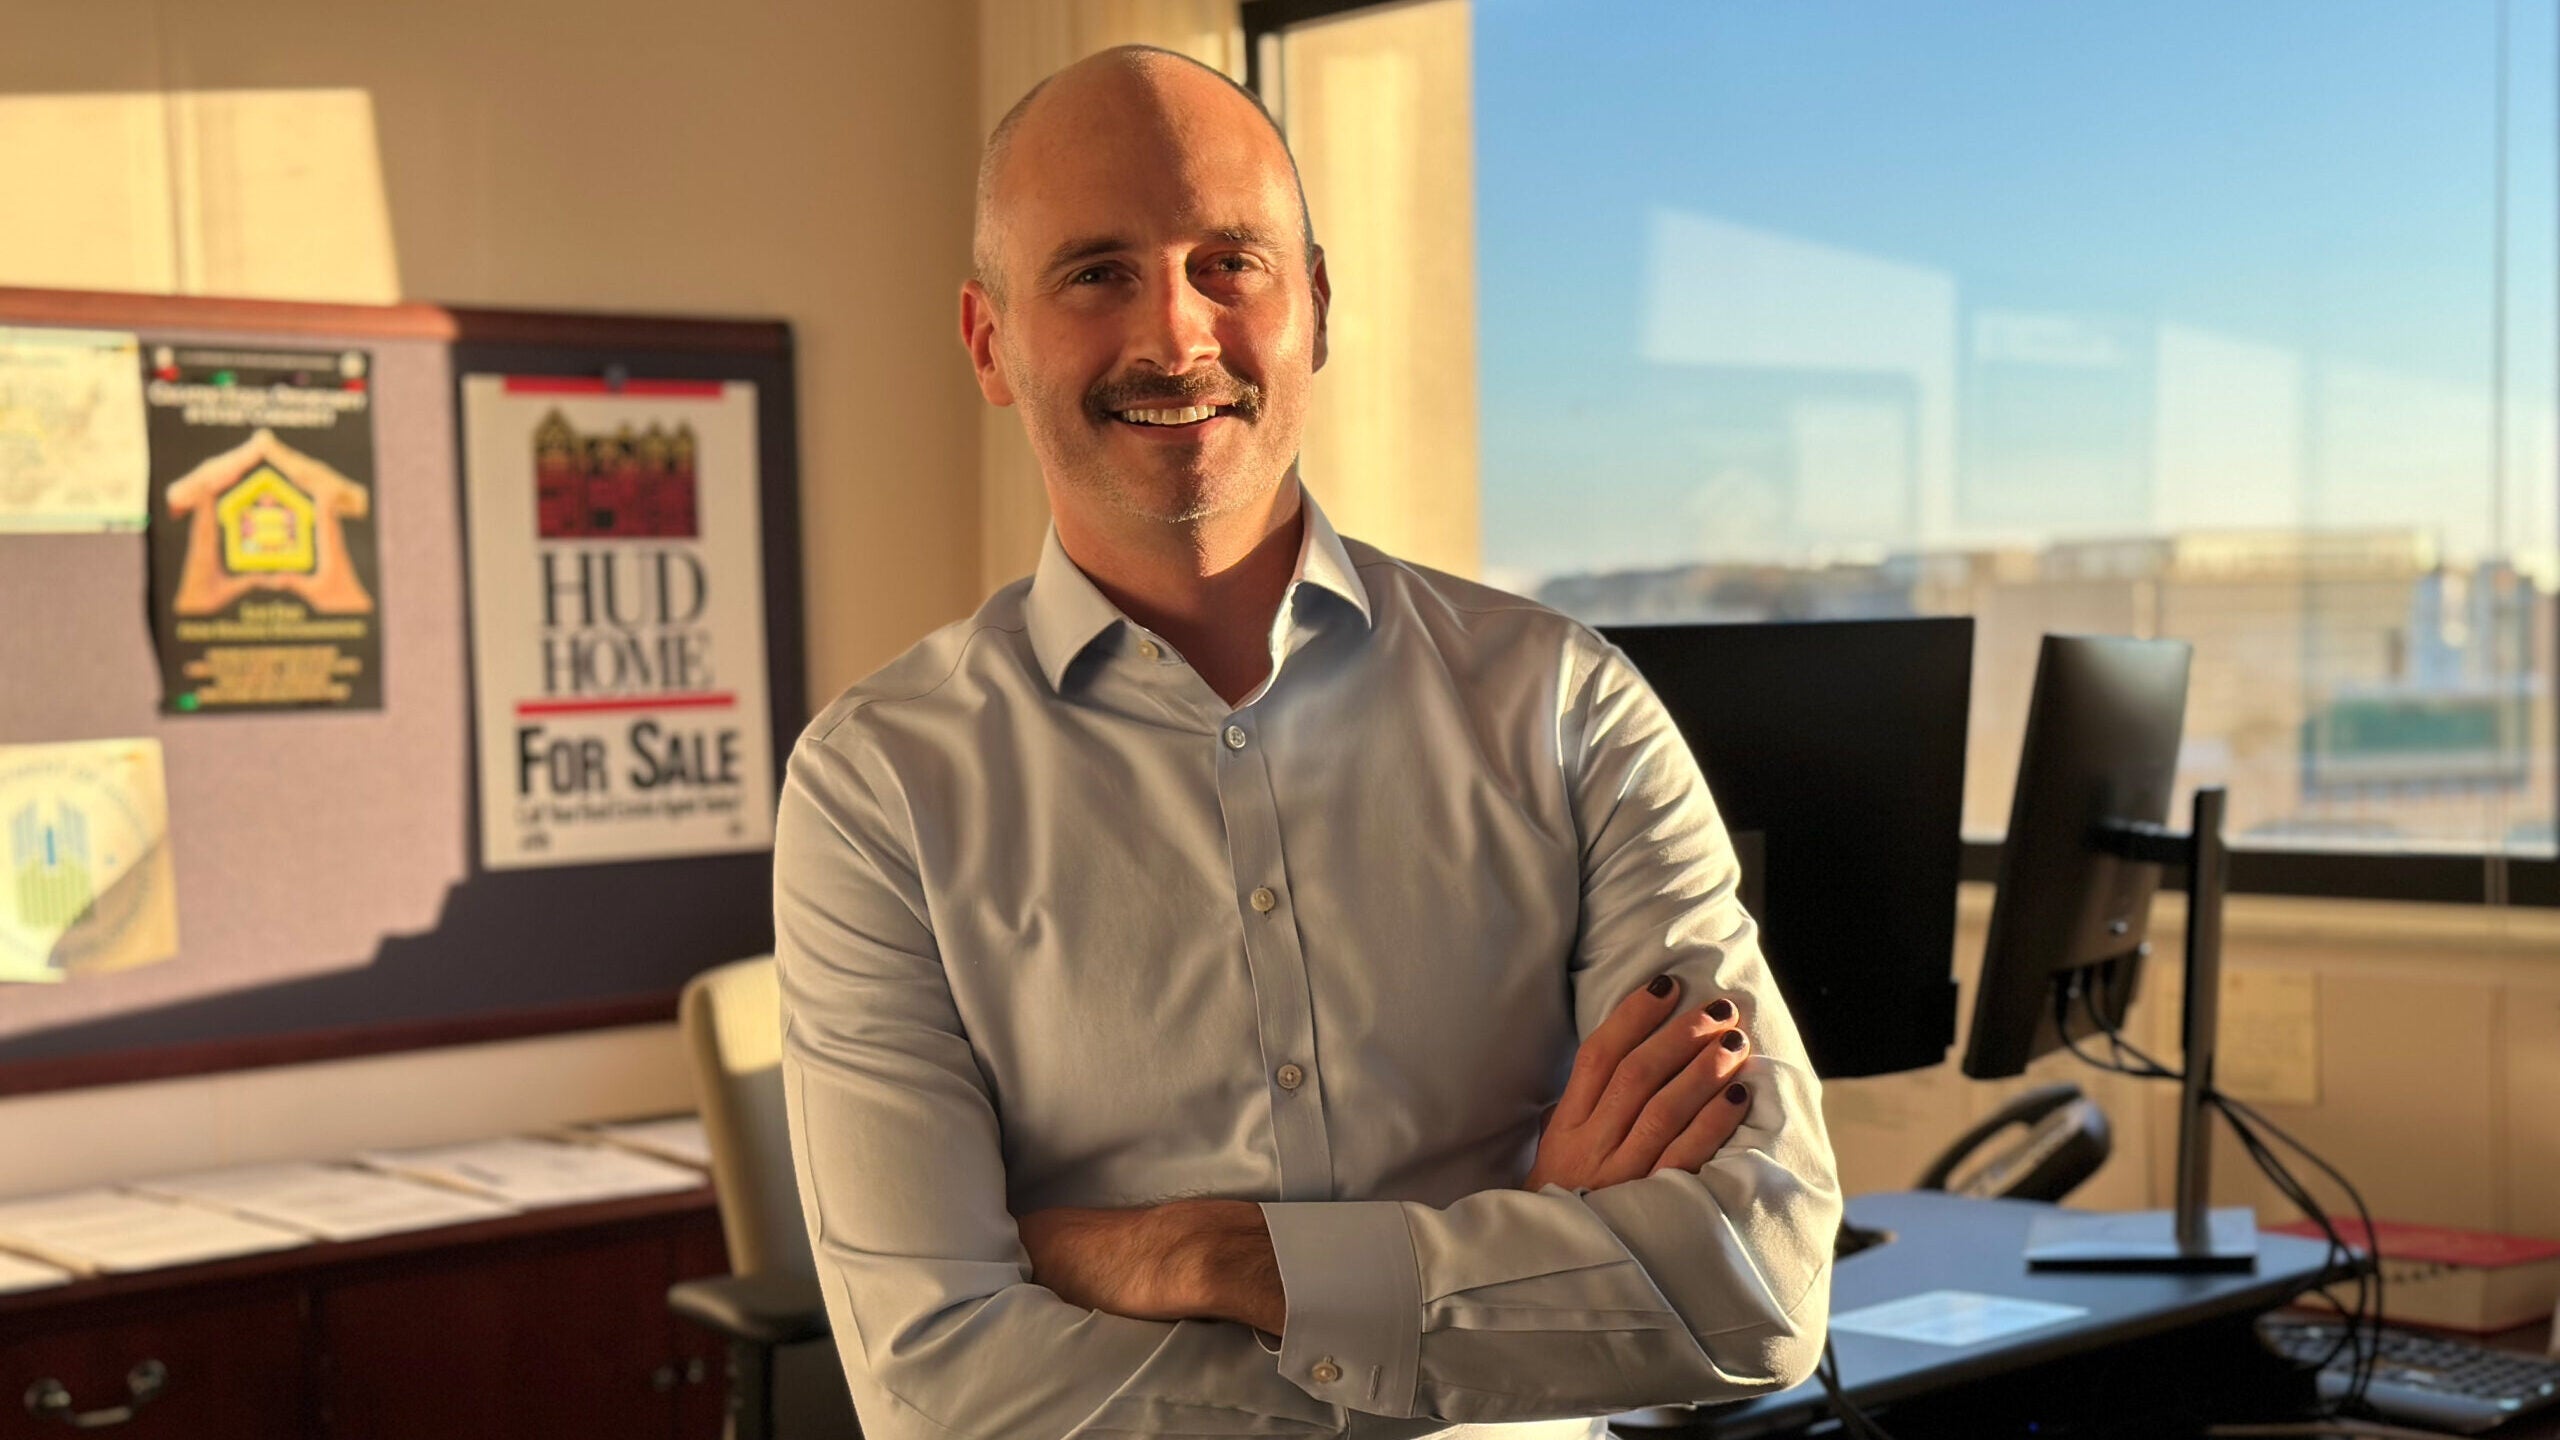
(1323, 562)
(1065, 611)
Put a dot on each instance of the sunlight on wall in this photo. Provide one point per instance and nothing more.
(265, 194)
(1378, 110)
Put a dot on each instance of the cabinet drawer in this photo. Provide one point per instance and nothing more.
(225, 1371)
(571, 1341)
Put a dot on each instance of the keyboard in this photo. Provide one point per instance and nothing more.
(2427, 1379)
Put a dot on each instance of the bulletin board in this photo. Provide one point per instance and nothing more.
(331, 895)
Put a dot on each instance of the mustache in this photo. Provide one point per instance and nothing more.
(1174, 392)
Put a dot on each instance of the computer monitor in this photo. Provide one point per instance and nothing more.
(1835, 751)
(2069, 929)
(2073, 915)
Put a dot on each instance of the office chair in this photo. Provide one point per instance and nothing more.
(731, 1018)
(2062, 1138)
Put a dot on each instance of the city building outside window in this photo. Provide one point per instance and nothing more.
(2233, 324)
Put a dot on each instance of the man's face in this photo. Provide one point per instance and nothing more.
(1160, 325)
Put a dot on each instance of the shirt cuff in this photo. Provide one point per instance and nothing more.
(1354, 1292)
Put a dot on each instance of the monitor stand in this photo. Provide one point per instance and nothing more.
(2187, 1237)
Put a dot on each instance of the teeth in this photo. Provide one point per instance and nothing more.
(1170, 417)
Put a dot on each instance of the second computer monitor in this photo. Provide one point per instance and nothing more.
(2070, 921)
(1835, 751)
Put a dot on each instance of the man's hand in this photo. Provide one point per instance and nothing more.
(1183, 1260)
(1644, 1098)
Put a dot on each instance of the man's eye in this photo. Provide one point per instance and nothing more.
(1090, 275)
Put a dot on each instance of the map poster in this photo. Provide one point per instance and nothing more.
(617, 619)
(71, 455)
(88, 887)
(266, 591)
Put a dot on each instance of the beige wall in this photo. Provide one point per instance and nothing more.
(802, 159)
(1379, 108)
(2434, 1034)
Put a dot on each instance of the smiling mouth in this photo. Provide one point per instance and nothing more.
(1175, 418)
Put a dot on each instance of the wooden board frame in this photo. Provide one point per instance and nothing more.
(333, 1017)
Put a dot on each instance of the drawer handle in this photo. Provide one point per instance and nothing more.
(50, 1399)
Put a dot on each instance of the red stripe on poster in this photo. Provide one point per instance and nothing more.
(595, 385)
(626, 702)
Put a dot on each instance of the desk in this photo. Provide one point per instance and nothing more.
(545, 1324)
(2140, 1329)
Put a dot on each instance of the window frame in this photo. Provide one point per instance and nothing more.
(2450, 877)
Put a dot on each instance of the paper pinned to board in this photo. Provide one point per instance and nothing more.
(72, 454)
(84, 831)
(326, 1201)
(2269, 1052)
(1954, 1317)
(107, 1232)
(533, 1172)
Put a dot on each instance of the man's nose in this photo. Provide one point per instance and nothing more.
(1177, 325)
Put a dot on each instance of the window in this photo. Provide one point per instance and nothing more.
(2228, 323)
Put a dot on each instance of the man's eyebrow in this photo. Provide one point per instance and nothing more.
(1084, 249)
(1247, 235)
(1094, 246)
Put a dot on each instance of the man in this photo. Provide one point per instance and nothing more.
(1238, 983)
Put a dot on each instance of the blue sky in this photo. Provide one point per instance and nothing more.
(2305, 185)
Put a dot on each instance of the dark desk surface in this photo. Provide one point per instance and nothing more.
(1947, 1242)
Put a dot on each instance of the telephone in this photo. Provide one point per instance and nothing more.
(2066, 1140)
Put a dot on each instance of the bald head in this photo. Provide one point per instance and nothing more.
(1128, 85)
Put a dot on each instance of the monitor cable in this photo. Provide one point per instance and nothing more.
(2361, 1332)
(1854, 1422)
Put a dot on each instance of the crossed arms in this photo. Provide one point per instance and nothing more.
(1614, 1284)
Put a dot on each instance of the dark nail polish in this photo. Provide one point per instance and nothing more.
(1660, 987)
(1720, 1011)
(1738, 1093)
(1733, 1040)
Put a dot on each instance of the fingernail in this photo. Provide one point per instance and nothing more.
(1660, 987)
(1720, 1011)
(1737, 1093)
(1733, 1040)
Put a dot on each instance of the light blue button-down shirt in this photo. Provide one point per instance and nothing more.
(1059, 926)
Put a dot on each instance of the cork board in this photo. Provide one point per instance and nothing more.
(329, 898)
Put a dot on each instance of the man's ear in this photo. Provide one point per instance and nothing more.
(978, 337)
(1323, 286)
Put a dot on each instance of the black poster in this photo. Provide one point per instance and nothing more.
(266, 589)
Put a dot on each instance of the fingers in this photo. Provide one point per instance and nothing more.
(189, 490)
(1653, 1064)
(1710, 1131)
(1667, 1116)
(1636, 1016)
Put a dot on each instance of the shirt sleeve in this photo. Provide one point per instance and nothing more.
(1684, 1286)
(895, 1144)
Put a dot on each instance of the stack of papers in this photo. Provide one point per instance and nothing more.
(329, 1202)
(529, 1172)
(674, 1137)
(104, 1232)
(19, 1273)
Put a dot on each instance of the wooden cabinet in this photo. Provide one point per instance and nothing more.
(197, 1369)
(539, 1325)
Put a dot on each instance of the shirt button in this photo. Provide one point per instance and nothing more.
(1235, 737)
(1148, 649)
(1290, 1077)
(1263, 899)
(1325, 1371)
